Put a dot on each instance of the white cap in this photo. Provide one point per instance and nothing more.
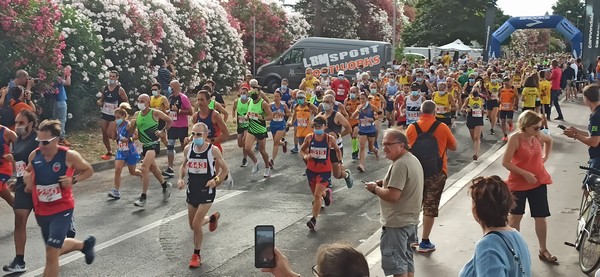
(341, 73)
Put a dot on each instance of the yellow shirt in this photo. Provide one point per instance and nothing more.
(476, 107)
(494, 89)
(529, 96)
(545, 87)
(403, 80)
(442, 103)
(156, 102)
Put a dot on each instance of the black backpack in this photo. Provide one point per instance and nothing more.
(425, 149)
(7, 113)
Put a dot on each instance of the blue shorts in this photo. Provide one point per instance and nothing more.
(56, 227)
(276, 128)
(130, 158)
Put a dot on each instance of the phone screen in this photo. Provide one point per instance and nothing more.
(264, 245)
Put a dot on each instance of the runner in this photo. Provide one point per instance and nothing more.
(377, 101)
(111, 96)
(474, 108)
(412, 105)
(491, 104)
(335, 122)
(161, 103)
(146, 122)
(351, 103)
(545, 90)
(217, 129)
(50, 175)
(201, 162)
(366, 114)
(398, 113)
(25, 122)
(126, 150)
(180, 109)
(315, 152)
(240, 108)
(466, 89)
(509, 101)
(278, 125)
(258, 113)
(444, 104)
(302, 117)
(530, 94)
(391, 90)
(7, 138)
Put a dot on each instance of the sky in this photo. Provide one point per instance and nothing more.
(526, 7)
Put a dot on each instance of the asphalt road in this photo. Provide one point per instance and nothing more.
(156, 240)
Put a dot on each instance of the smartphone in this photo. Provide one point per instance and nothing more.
(562, 127)
(264, 246)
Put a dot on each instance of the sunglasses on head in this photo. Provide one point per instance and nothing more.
(45, 141)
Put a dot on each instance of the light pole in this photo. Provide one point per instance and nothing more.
(394, 31)
(578, 17)
(254, 44)
(568, 13)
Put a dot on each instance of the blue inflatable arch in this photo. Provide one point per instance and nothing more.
(561, 24)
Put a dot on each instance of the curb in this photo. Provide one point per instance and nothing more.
(110, 164)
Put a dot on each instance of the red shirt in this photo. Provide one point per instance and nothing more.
(341, 89)
(555, 78)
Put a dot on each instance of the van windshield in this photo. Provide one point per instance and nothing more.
(294, 56)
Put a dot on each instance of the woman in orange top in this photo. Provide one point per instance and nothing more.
(525, 154)
(21, 101)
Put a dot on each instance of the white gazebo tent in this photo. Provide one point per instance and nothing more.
(456, 45)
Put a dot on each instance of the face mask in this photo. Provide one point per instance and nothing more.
(21, 130)
(471, 80)
(319, 132)
(318, 93)
(387, 75)
(341, 77)
(475, 94)
(373, 91)
(155, 93)
(367, 104)
(112, 82)
(323, 75)
(244, 97)
(170, 90)
(326, 107)
(199, 141)
(352, 95)
(283, 87)
(419, 79)
(141, 106)
(381, 71)
(301, 101)
(254, 96)
(441, 92)
(392, 81)
(415, 93)
(119, 121)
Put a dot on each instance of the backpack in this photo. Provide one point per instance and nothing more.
(425, 149)
(7, 113)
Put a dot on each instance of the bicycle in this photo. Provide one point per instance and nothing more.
(587, 241)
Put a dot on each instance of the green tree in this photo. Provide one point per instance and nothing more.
(441, 22)
(338, 17)
(573, 10)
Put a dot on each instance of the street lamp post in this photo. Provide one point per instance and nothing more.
(394, 31)
(578, 17)
(254, 45)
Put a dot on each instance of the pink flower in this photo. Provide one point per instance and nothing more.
(6, 23)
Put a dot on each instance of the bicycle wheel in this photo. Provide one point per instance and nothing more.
(589, 248)
(584, 212)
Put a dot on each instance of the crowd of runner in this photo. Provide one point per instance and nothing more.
(320, 113)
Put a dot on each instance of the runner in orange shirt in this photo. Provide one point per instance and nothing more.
(509, 100)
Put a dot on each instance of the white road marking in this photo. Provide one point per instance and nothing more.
(79, 255)
(371, 245)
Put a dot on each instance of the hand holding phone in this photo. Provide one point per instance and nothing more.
(562, 127)
(264, 246)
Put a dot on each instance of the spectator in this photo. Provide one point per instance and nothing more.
(434, 184)
(246, 82)
(591, 98)
(401, 195)
(525, 154)
(214, 94)
(21, 79)
(21, 100)
(59, 111)
(333, 260)
(502, 251)
(598, 70)
(568, 78)
(164, 78)
(555, 91)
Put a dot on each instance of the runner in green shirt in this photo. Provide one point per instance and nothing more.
(240, 108)
(258, 113)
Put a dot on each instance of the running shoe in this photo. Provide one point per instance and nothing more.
(115, 194)
(355, 155)
(559, 118)
(267, 172)
(349, 179)
(107, 156)
(311, 224)
(213, 222)
(425, 247)
(327, 197)
(169, 173)
(492, 132)
(15, 266)
(475, 157)
(167, 192)
(140, 202)
(195, 261)
(255, 168)
(244, 162)
(294, 150)
(88, 249)
(284, 146)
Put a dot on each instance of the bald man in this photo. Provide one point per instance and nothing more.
(180, 108)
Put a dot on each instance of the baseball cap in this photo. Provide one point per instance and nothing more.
(341, 73)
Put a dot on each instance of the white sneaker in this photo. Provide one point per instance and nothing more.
(255, 168)
(267, 173)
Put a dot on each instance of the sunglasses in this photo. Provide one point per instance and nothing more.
(45, 141)
(199, 134)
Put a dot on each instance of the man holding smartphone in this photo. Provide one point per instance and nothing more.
(591, 138)
(206, 169)
(400, 196)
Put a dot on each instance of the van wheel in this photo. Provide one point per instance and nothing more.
(273, 84)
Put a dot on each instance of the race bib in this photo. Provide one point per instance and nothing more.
(412, 115)
(365, 122)
(318, 153)
(506, 106)
(302, 122)
(197, 166)
(242, 119)
(123, 146)
(278, 117)
(109, 108)
(253, 116)
(440, 109)
(49, 193)
(477, 113)
(20, 165)
(341, 91)
(173, 115)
